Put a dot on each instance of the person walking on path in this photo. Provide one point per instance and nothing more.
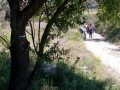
(87, 28)
(93, 28)
(90, 30)
(82, 31)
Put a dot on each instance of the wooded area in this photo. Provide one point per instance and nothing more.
(59, 16)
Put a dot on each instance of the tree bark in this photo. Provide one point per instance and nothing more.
(19, 51)
(19, 48)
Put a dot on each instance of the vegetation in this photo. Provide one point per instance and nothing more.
(78, 69)
(75, 68)
(57, 13)
(4, 8)
(109, 10)
(4, 70)
(109, 17)
(4, 39)
(110, 30)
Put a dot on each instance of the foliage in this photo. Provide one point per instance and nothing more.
(58, 16)
(71, 75)
(109, 19)
(3, 42)
(67, 18)
(60, 13)
(4, 70)
(110, 30)
(71, 19)
(109, 10)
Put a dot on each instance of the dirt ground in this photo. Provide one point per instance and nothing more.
(109, 54)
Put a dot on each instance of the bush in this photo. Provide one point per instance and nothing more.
(110, 30)
(4, 70)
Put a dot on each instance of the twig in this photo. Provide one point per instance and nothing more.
(33, 28)
(47, 11)
(5, 41)
(33, 39)
(28, 32)
(39, 28)
(39, 31)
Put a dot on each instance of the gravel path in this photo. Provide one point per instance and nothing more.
(109, 53)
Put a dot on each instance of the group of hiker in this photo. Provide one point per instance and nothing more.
(90, 29)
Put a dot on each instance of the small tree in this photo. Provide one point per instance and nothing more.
(58, 12)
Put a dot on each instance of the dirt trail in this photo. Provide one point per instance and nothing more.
(109, 53)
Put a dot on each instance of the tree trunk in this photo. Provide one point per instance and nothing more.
(19, 51)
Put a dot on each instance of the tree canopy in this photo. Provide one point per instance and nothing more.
(58, 13)
(109, 10)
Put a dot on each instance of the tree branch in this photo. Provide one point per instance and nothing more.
(31, 9)
(39, 30)
(49, 25)
(28, 32)
(5, 41)
(44, 38)
(33, 39)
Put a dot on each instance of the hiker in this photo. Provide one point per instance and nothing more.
(87, 28)
(90, 30)
(82, 30)
(93, 28)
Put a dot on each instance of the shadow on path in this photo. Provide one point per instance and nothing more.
(96, 40)
(114, 50)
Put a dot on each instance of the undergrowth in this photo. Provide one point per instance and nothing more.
(5, 34)
(80, 71)
(83, 72)
(110, 30)
(4, 70)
